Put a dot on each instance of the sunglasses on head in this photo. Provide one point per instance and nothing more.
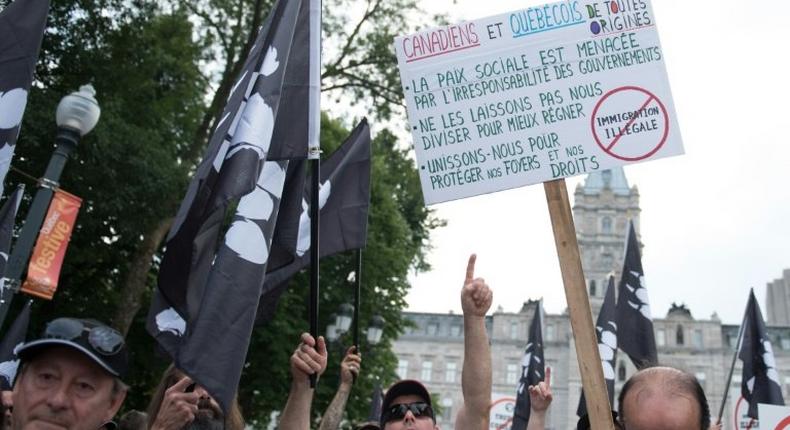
(102, 339)
(397, 412)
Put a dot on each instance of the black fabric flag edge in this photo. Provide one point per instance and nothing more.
(635, 334)
(606, 330)
(760, 381)
(533, 369)
(345, 194)
(13, 339)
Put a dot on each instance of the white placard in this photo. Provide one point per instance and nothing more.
(774, 417)
(543, 93)
(501, 413)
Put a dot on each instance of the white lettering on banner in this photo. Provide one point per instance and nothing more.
(538, 94)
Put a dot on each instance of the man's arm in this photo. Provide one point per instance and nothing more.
(476, 299)
(309, 357)
(178, 407)
(349, 369)
(540, 398)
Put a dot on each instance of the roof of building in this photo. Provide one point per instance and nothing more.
(613, 179)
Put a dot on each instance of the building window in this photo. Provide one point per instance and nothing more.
(606, 225)
(427, 368)
(679, 335)
(698, 339)
(593, 291)
(450, 370)
(514, 330)
(621, 372)
(785, 343)
(455, 330)
(551, 332)
(433, 329)
(447, 409)
(661, 337)
(511, 377)
(403, 369)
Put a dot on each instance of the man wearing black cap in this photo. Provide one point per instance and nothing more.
(71, 377)
(407, 404)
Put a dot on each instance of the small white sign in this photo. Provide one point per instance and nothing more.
(773, 417)
(547, 92)
(501, 414)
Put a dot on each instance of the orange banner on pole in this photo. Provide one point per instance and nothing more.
(53, 239)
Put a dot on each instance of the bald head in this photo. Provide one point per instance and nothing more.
(663, 398)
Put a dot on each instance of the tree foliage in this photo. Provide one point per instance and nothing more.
(162, 72)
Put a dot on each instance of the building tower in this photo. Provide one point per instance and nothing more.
(602, 207)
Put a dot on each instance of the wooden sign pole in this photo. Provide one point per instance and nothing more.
(584, 337)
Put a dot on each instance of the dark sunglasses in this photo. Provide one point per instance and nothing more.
(397, 412)
(103, 339)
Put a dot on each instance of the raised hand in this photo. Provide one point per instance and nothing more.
(476, 297)
(178, 407)
(309, 357)
(350, 366)
(540, 396)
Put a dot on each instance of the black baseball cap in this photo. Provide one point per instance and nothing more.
(403, 388)
(101, 343)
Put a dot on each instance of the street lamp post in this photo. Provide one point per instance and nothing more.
(76, 115)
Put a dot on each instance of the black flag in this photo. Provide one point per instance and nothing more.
(635, 326)
(606, 329)
(22, 26)
(14, 338)
(203, 312)
(533, 369)
(344, 200)
(760, 380)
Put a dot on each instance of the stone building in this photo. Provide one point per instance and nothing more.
(778, 300)
(432, 350)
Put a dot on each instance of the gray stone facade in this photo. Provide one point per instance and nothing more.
(778, 300)
(432, 351)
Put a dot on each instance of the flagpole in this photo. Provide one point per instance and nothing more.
(314, 154)
(357, 291)
(584, 336)
(732, 366)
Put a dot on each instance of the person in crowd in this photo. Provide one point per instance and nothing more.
(540, 398)
(309, 358)
(349, 371)
(71, 377)
(663, 398)
(584, 422)
(7, 398)
(179, 403)
(133, 420)
(407, 403)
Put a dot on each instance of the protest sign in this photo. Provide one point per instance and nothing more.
(774, 417)
(534, 95)
(501, 413)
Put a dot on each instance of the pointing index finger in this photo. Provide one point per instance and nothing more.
(470, 268)
(548, 376)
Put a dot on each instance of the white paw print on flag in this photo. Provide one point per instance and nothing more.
(303, 237)
(638, 299)
(245, 236)
(770, 365)
(607, 348)
(12, 106)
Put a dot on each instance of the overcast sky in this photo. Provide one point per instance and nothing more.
(715, 221)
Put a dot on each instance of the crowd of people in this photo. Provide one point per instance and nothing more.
(72, 378)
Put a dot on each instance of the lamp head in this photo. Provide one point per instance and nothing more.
(79, 111)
